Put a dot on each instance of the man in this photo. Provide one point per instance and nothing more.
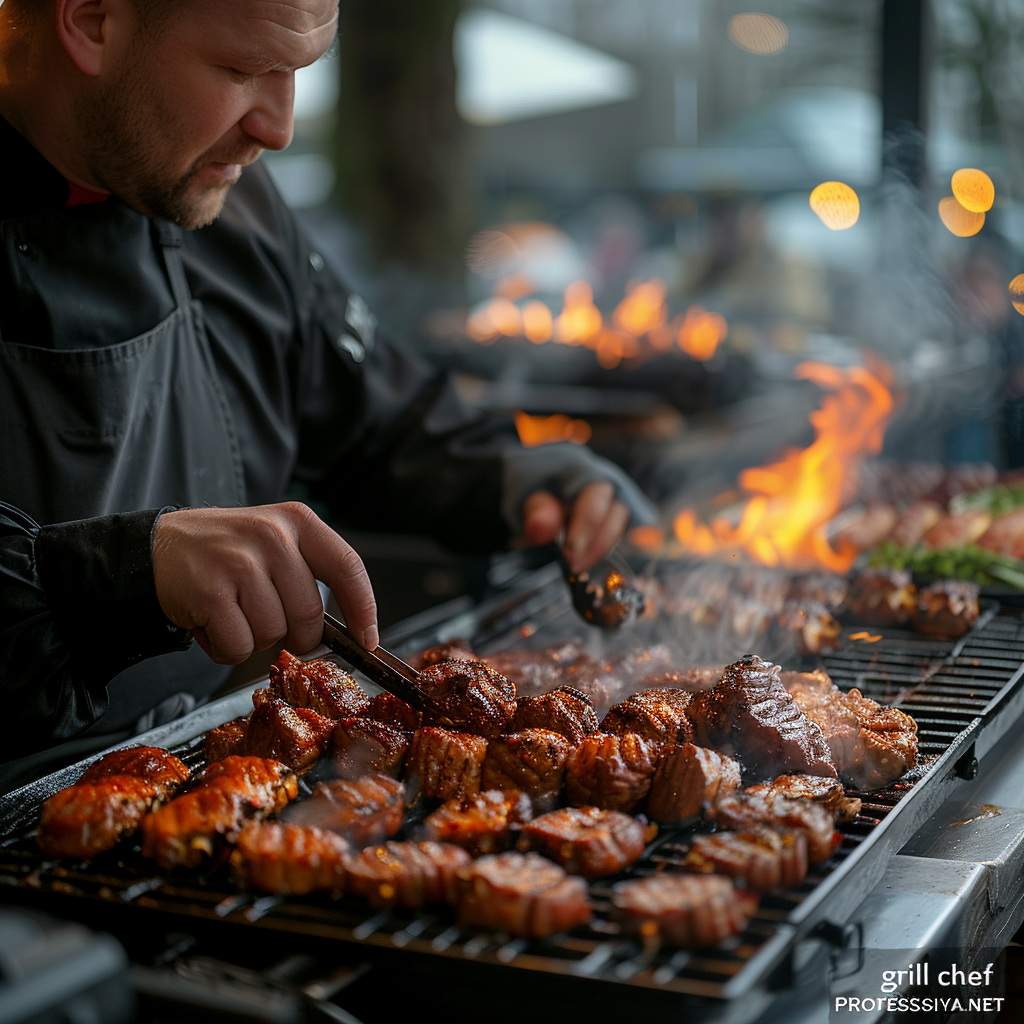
(173, 353)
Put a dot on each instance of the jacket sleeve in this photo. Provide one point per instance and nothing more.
(77, 606)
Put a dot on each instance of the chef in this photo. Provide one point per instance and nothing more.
(174, 354)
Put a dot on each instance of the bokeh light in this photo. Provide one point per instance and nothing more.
(1017, 293)
(974, 190)
(836, 204)
(758, 33)
(962, 222)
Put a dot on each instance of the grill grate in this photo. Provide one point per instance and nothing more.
(945, 685)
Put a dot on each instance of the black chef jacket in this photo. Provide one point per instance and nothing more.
(313, 393)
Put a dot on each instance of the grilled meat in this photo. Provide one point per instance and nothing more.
(227, 794)
(319, 685)
(532, 760)
(366, 744)
(521, 893)
(869, 529)
(472, 695)
(817, 681)
(387, 708)
(914, 522)
(764, 859)
(871, 745)
(459, 650)
(827, 792)
(956, 530)
(537, 672)
(364, 810)
(610, 771)
(658, 715)
(225, 740)
(290, 859)
(946, 608)
(881, 597)
(829, 589)
(564, 710)
(688, 779)
(587, 841)
(294, 736)
(410, 875)
(445, 763)
(682, 910)
(811, 624)
(744, 811)
(108, 801)
(486, 822)
(691, 680)
(751, 715)
(1005, 535)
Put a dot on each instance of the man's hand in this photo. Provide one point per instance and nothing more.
(241, 579)
(593, 525)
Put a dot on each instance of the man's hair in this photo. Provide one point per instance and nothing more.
(153, 14)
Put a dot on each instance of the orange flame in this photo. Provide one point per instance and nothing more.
(537, 430)
(791, 501)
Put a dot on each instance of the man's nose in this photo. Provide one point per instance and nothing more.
(269, 121)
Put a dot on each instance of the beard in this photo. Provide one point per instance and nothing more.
(133, 139)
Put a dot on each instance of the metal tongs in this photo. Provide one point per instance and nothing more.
(381, 667)
(604, 595)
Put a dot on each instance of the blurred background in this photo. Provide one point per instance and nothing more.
(596, 213)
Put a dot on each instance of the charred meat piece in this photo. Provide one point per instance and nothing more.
(869, 529)
(946, 608)
(751, 715)
(225, 740)
(319, 685)
(827, 792)
(290, 859)
(447, 764)
(364, 810)
(956, 530)
(532, 760)
(816, 682)
(914, 522)
(473, 696)
(764, 859)
(459, 650)
(688, 779)
(1005, 535)
(690, 911)
(658, 715)
(108, 801)
(364, 744)
(486, 822)
(564, 710)
(294, 736)
(610, 771)
(812, 626)
(881, 597)
(387, 708)
(410, 875)
(744, 811)
(587, 841)
(521, 893)
(227, 794)
(829, 589)
(871, 745)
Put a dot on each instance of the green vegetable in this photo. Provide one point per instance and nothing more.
(964, 563)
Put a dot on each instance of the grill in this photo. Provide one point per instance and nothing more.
(964, 696)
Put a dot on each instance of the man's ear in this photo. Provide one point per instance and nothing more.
(83, 31)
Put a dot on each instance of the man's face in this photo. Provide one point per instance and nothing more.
(190, 102)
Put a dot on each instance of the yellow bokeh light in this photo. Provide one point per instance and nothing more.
(537, 322)
(758, 33)
(1017, 293)
(973, 189)
(962, 222)
(836, 204)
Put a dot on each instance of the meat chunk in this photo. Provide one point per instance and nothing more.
(532, 761)
(537, 672)
(744, 811)
(294, 736)
(1005, 535)
(564, 710)
(365, 744)
(587, 841)
(956, 530)
(446, 764)
(687, 780)
(523, 894)
(290, 859)
(225, 740)
(658, 715)
(827, 792)
(811, 625)
(881, 597)
(473, 696)
(682, 910)
(410, 875)
(610, 771)
(108, 801)
(227, 794)
(319, 685)
(459, 650)
(870, 529)
(486, 822)
(764, 859)
(387, 708)
(914, 522)
(752, 716)
(946, 608)
(365, 810)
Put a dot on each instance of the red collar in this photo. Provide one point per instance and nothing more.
(79, 196)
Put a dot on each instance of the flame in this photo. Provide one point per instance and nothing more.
(868, 638)
(537, 430)
(836, 204)
(701, 333)
(973, 189)
(1017, 293)
(784, 519)
(961, 221)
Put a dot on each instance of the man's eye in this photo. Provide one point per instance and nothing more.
(239, 76)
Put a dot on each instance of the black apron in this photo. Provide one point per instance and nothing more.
(140, 424)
